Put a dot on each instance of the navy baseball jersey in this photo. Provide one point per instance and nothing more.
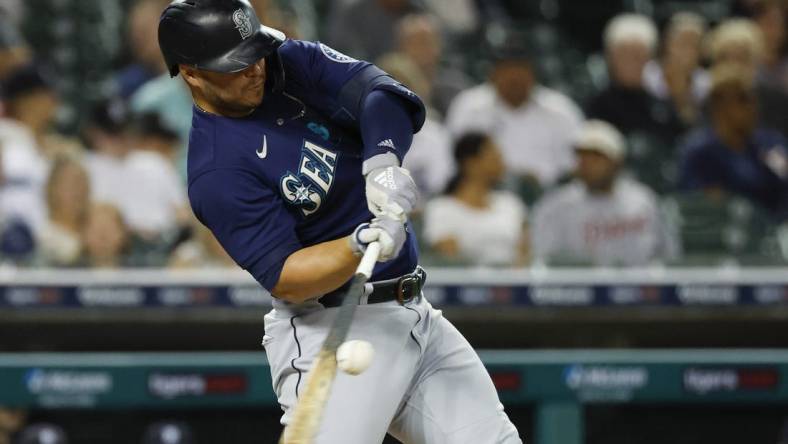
(289, 175)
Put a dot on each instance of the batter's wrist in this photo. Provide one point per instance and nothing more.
(382, 160)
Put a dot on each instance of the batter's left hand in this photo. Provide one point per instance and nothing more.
(392, 192)
(387, 231)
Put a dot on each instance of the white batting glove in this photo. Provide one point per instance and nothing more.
(391, 191)
(387, 231)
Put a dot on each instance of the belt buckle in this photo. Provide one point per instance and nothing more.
(404, 283)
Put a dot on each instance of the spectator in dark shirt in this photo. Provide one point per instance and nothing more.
(366, 29)
(741, 42)
(630, 40)
(735, 155)
(147, 62)
(770, 17)
(419, 40)
(14, 52)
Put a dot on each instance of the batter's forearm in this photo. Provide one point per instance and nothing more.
(386, 130)
(316, 270)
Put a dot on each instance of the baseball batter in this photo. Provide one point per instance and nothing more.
(294, 164)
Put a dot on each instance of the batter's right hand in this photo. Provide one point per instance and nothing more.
(391, 191)
(389, 232)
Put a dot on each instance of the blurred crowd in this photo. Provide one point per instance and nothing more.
(17, 428)
(673, 152)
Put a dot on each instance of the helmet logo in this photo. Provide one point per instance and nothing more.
(242, 23)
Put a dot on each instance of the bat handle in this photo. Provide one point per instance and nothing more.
(369, 259)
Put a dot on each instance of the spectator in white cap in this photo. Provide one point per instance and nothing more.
(630, 42)
(600, 218)
(677, 75)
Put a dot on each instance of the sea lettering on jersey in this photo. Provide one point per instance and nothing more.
(309, 188)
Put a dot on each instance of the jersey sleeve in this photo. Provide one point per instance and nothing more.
(248, 219)
(344, 81)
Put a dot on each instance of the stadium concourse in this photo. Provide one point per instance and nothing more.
(604, 200)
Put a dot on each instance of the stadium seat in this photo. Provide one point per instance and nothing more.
(712, 10)
(530, 10)
(529, 191)
(725, 229)
(652, 161)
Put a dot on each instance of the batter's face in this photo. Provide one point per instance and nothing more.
(228, 94)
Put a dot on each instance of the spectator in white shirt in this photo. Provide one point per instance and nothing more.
(474, 223)
(601, 218)
(31, 106)
(142, 183)
(107, 137)
(532, 125)
(158, 204)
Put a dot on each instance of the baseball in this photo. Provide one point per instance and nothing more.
(353, 357)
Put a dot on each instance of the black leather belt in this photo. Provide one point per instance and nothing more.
(402, 289)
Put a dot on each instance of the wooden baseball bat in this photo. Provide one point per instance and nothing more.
(309, 409)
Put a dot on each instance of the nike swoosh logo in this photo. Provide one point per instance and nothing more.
(261, 153)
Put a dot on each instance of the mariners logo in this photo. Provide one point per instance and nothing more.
(335, 55)
(242, 23)
(311, 185)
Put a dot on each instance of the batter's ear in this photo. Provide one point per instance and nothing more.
(189, 75)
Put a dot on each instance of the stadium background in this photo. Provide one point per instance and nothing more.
(684, 349)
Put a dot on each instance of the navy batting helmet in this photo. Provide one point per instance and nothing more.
(214, 35)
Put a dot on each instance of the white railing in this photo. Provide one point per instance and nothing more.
(436, 276)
